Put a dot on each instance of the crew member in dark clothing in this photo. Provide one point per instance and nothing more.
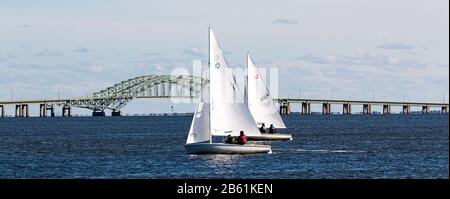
(230, 140)
(263, 128)
(242, 139)
(272, 129)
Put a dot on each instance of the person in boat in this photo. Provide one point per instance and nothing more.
(230, 140)
(242, 139)
(272, 129)
(263, 128)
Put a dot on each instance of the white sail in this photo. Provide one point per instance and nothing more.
(228, 116)
(199, 131)
(259, 100)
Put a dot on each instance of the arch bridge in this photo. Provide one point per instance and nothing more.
(118, 95)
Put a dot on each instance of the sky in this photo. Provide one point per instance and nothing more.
(346, 49)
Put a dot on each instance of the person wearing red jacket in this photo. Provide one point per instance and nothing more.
(242, 139)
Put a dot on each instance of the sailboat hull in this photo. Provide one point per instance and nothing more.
(270, 137)
(222, 148)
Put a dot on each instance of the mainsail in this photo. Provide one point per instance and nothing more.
(259, 100)
(228, 116)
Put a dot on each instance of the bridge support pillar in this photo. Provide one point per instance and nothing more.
(367, 109)
(22, 110)
(98, 113)
(2, 111)
(156, 90)
(347, 109)
(326, 108)
(386, 109)
(191, 90)
(42, 110)
(285, 108)
(406, 109)
(116, 113)
(66, 111)
(306, 108)
(444, 110)
(52, 110)
(18, 112)
(163, 91)
(425, 109)
(25, 110)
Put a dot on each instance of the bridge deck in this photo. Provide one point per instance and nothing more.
(290, 100)
(43, 101)
(361, 102)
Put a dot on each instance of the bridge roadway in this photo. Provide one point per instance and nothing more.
(42, 101)
(285, 105)
(280, 100)
(367, 105)
(22, 106)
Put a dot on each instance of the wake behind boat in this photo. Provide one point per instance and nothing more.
(216, 114)
(260, 104)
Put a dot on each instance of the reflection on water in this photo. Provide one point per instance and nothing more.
(220, 164)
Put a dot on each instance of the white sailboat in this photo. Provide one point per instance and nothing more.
(261, 105)
(216, 116)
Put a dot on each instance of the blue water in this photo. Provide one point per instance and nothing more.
(336, 146)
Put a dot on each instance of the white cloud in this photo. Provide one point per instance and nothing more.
(316, 59)
(196, 52)
(150, 53)
(363, 59)
(24, 26)
(392, 61)
(281, 21)
(81, 49)
(158, 67)
(97, 67)
(425, 48)
(396, 46)
(140, 64)
(48, 53)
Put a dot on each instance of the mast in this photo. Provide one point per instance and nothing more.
(246, 83)
(209, 77)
